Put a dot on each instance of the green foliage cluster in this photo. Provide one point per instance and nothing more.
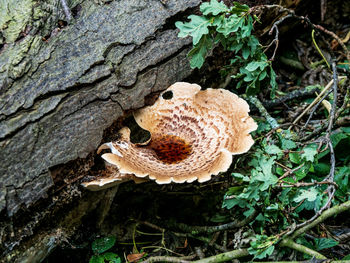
(100, 247)
(282, 201)
(232, 28)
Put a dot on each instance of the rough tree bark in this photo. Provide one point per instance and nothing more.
(61, 86)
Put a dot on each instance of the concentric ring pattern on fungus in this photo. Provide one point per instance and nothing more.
(193, 136)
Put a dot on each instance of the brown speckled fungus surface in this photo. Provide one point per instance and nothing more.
(193, 136)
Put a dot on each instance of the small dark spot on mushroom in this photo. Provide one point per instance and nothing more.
(168, 95)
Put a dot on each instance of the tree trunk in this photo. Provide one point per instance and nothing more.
(61, 86)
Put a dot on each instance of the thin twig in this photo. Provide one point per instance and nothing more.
(195, 230)
(167, 259)
(227, 256)
(325, 215)
(204, 239)
(296, 94)
(315, 108)
(276, 40)
(288, 184)
(66, 10)
(255, 101)
(319, 96)
(340, 42)
(290, 171)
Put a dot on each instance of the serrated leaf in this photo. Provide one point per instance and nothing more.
(288, 144)
(241, 176)
(239, 8)
(249, 212)
(230, 25)
(196, 28)
(273, 149)
(310, 151)
(308, 194)
(197, 54)
(213, 7)
(252, 66)
(101, 245)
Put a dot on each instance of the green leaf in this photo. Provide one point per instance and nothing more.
(302, 172)
(262, 75)
(308, 194)
(253, 43)
(239, 8)
(241, 176)
(342, 177)
(310, 151)
(196, 28)
(287, 144)
(273, 149)
(213, 7)
(322, 243)
(262, 253)
(112, 257)
(252, 66)
(228, 25)
(198, 53)
(103, 244)
(97, 259)
(245, 52)
(295, 158)
(322, 169)
(335, 138)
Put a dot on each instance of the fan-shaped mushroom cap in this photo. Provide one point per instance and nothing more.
(110, 177)
(193, 136)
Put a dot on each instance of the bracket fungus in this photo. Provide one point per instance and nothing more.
(193, 136)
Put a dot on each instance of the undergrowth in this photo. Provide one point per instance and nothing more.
(232, 28)
(284, 181)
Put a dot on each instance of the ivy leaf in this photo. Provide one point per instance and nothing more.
(308, 194)
(198, 53)
(214, 7)
(101, 245)
(310, 152)
(196, 28)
